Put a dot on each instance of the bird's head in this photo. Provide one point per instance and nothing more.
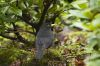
(46, 24)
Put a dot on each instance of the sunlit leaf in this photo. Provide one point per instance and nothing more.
(77, 13)
(88, 13)
(16, 11)
(80, 4)
(4, 9)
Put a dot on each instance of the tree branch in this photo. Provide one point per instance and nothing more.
(27, 18)
(20, 38)
(46, 7)
(11, 30)
(8, 37)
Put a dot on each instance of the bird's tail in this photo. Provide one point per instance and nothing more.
(39, 53)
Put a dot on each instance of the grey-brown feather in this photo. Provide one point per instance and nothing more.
(44, 39)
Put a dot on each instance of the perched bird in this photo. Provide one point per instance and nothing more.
(44, 39)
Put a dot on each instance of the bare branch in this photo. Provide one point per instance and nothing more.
(11, 30)
(20, 38)
(46, 7)
(8, 37)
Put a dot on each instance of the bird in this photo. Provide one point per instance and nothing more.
(44, 39)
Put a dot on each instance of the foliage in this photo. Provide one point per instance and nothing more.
(20, 20)
(94, 49)
(9, 55)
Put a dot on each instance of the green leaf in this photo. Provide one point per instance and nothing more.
(4, 9)
(53, 9)
(80, 25)
(96, 21)
(88, 13)
(15, 11)
(92, 43)
(22, 5)
(77, 13)
(89, 26)
(93, 60)
(83, 5)
(80, 4)
(40, 3)
(97, 16)
(31, 2)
